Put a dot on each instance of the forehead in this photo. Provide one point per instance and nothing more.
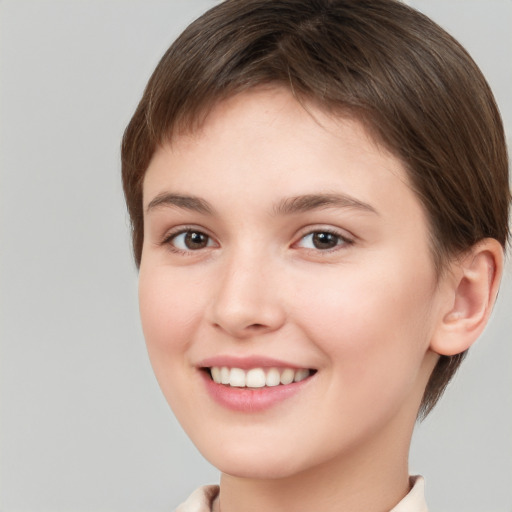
(270, 105)
(263, 139)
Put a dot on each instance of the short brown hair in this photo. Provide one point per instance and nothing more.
(411, 83)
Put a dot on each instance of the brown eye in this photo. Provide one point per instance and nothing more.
(195, 240)
(190, 240)
(323, 240)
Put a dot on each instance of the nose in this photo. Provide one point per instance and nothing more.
(247, 298)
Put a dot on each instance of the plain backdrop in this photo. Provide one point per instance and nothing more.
(83, 424)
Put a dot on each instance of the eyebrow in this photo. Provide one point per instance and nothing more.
(181, 201)
(308, 202)
(287, 206)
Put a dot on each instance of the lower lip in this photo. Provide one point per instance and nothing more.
(251, 399)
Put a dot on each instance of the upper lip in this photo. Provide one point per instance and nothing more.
(246, 363)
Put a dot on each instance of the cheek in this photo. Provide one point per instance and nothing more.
(373, 326)
(169, 308)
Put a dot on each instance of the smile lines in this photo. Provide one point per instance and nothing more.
(257, 377)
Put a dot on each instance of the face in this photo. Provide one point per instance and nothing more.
(287, 290)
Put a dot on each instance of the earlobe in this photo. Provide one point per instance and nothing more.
(471, 294)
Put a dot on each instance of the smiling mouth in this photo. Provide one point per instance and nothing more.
(257, 377)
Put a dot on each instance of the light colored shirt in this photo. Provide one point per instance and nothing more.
(204, 498)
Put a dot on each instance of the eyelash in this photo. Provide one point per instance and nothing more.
(343, 240)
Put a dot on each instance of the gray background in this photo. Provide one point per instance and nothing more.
(83, 424)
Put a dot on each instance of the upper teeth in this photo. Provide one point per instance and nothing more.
(257, 377)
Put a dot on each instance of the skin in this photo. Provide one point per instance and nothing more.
(362, 313)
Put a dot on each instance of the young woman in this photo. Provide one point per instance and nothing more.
(319, 199)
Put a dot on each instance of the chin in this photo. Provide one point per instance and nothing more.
(256, 470)
(253, 462)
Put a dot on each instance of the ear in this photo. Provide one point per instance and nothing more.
(470, 287)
